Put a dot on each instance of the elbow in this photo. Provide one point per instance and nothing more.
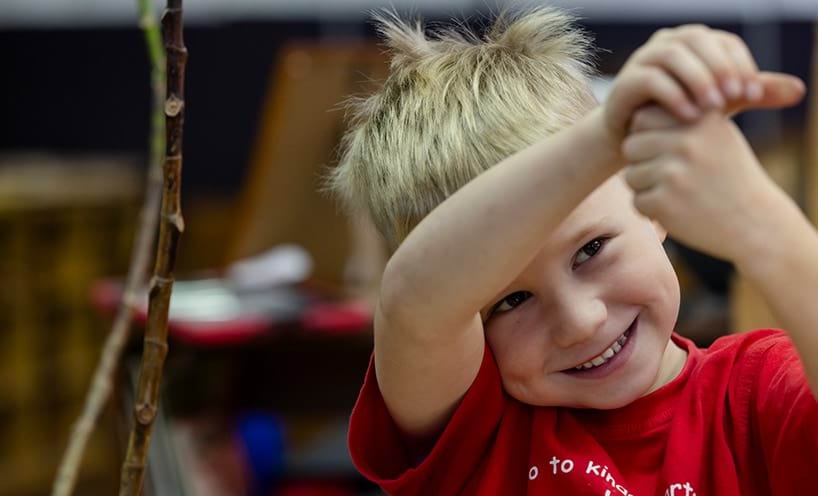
(395, 290)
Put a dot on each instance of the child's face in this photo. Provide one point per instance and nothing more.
(601, 284)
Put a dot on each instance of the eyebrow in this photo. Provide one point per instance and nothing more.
(585, 231)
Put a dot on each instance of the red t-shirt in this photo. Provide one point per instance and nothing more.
(739, 420)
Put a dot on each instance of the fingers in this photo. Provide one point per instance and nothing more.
(652, 117)
(648, 145)
(640, 178)
(649, 202)
(651, 182)
(694, 75)
(711, 65)
(645, 180)
(728, 59)
(690, 71)
(658, 86)
(779, 91)
(745, 66)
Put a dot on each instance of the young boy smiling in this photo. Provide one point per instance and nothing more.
(524, 333)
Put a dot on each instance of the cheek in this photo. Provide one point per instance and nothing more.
(648, 279)
(518, 341)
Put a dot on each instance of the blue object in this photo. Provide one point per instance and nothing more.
(263, 437)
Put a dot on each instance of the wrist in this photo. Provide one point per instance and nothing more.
(604, 142)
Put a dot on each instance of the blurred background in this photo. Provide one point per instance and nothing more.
(270, 324)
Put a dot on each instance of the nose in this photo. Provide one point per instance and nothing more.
(577, 317)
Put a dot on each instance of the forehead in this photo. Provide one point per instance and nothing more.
(610, 203)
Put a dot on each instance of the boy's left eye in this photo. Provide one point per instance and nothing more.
(589, 250)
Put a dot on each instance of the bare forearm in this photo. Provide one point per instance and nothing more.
(476, 241)
(783, 265)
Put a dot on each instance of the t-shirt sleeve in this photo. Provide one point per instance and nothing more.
(787, 418)
(378, 447)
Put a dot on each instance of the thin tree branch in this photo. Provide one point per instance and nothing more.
(103, 379)
(171, 226)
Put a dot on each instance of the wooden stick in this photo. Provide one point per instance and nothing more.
(103, 379)
(171, 226)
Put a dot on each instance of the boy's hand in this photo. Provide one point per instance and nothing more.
(692, 69)
(700, 181)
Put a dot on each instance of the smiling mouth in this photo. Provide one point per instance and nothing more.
(607, 355)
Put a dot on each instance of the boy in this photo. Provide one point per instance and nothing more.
(523, 336)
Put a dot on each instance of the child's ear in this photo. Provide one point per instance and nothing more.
(660, 231)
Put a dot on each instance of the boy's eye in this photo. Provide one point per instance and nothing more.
(510, 301)
(589, 250)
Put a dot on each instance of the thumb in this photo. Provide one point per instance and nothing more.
(779, 91)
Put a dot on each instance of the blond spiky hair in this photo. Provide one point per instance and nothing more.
(453, 105)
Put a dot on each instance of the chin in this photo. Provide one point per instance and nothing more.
(615, 400)
(606, 399)
(620, 393)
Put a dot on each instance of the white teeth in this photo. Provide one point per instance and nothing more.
(605, 355)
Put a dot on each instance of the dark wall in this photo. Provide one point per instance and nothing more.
(80, 90)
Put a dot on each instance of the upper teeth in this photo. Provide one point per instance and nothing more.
(605, 355)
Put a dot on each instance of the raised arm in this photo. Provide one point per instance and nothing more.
(428, 333)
